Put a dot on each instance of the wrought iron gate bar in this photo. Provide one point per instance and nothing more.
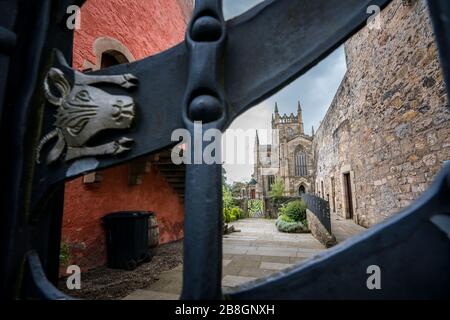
(38, 285)
(7, 40)
(19, 84)
(204, 103)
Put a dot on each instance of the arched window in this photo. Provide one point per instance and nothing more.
(111, 58)
(109, 52)
(301, 164)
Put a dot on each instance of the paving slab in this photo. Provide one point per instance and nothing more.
(234, 281)
(255, 272)
(257, 251)
(226, 262)
(151, 295)
(275, 265)
(277, 259)
(344, 229)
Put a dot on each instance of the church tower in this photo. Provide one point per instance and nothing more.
(275, 117)
(256, 150)
(291, 155)
(300, 119)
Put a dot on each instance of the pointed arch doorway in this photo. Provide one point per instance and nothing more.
(301, 190)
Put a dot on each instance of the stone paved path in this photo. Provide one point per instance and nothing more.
(258, 250)
(344, 228)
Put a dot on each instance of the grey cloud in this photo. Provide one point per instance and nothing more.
(232, 8)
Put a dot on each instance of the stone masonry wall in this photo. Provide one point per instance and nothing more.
(318, 231)
(389, 123)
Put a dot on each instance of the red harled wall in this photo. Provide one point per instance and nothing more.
(86, 204)
(144, 27)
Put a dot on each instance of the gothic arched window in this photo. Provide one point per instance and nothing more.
(301, 164)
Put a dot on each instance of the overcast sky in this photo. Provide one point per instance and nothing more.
(315, 91)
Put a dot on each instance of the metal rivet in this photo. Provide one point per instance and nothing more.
(205, 108)
(206, 28)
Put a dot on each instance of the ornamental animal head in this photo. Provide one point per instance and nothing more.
(83, 111)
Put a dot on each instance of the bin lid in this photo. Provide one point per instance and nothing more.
(127, 215)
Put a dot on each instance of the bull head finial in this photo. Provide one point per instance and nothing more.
(59, 80)
(83, 111)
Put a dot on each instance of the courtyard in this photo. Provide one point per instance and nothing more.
(255, 251)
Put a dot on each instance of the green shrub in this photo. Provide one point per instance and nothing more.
(230, 215)
(227, 198)
(64, 254)
(236, 212)
(290, 227)
(226, 215)
(228, 205)
(295, 210)
(277, 190)
(285, 218)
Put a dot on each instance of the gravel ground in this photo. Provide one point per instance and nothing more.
(110, 284)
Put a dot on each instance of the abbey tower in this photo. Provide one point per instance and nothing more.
(288, 158)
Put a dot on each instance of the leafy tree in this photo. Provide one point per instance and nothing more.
(227, 197)
(277, 188)
(224, 177)
(236, 188)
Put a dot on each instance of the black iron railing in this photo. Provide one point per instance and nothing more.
(320, 208)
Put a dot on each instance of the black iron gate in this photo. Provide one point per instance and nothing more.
(212, 77)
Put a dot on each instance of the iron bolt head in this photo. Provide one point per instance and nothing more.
(205, 108)
(206, 29)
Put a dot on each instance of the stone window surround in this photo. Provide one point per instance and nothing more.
(344, 170)
(105, 44)
(305, 185)
(333, 194)
(322, 189)
(298, 172)
(292, 152)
